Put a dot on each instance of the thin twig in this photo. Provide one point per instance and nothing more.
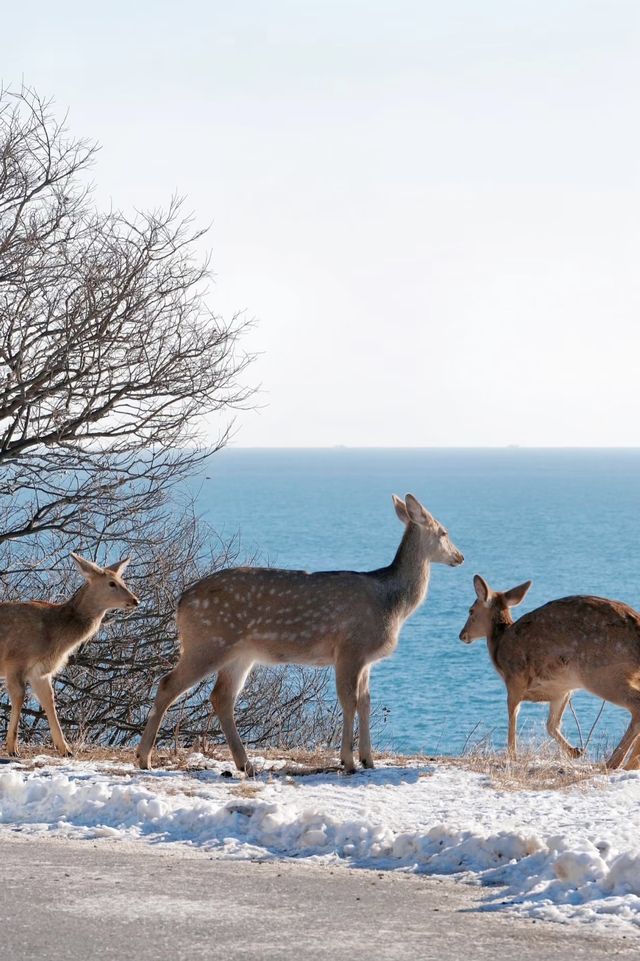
(469, 736)
(575, 718)
(593, 726)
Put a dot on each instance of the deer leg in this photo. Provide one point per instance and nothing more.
(556, 710)
(44, 692)
(364, 712)
(632, 761)
(16, 689)
(347, 688)
(229, 683)
(513, 709)
(627, 741)
(184, 675)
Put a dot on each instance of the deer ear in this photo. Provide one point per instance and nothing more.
(119, 567)
(517, 594)
(401, 508)
(415, 510)
(482, 589)
(86, 568)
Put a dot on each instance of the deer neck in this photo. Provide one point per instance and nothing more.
(410, 572)
(501, 623)
(83, 614)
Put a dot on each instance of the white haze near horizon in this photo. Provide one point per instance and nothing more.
(431, 209)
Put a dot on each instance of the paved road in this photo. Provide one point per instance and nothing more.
(75, 901)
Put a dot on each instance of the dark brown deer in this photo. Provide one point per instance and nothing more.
(579, 642)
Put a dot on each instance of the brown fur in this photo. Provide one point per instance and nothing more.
(37, 637)
(235, 618)
(579, 642)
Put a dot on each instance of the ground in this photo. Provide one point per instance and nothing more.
(117, 900)
(544, 840)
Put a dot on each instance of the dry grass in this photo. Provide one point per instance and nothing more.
(37, 755)
(539, 766)
(302, 760)
(247, 789)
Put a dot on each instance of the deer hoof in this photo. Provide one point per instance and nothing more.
(575, 752)
(143, 762)
(15, 753)
(367, 762)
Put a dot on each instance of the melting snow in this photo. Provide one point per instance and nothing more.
(564, 855)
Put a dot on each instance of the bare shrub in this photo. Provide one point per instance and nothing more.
(110, 357)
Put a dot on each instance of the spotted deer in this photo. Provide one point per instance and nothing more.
(37, 638)
(231, 620)
(579, 642)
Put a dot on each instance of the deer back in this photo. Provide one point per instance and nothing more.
(283, 616)
(582, 636)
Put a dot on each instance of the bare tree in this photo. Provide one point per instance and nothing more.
(109, 354)
(110, 357)
(105, 693)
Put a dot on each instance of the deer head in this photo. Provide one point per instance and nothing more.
(107, 589)
(490, 608)
(435, 539)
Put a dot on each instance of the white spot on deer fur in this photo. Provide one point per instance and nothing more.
(205, 602)
(195, 602)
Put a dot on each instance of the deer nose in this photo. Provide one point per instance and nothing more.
(458, 558)
(463, 635)
(134, 601)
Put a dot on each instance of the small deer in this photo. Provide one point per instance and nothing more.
(37, 638)
(231, 620)
(580, 642)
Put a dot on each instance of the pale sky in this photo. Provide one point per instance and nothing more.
(431, 209)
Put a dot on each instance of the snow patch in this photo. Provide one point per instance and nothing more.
(571, 855)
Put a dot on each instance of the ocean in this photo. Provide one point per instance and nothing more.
(569, 520)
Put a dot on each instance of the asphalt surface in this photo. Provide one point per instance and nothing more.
(82, 900)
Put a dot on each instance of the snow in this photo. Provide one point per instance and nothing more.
(570, 855)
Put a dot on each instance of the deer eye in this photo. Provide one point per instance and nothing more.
(112, 584)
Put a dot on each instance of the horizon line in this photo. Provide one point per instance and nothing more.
(514, 447)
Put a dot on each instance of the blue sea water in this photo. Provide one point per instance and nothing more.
(569, 520)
